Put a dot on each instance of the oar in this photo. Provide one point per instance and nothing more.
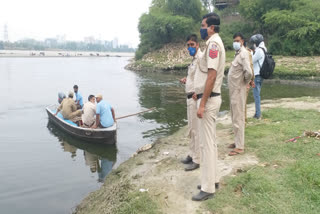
(130, 115)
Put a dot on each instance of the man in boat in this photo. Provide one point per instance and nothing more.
(69, 110)
(193, 159)
(79, 99)
(61, 96)
(89, 112)
(105, 116)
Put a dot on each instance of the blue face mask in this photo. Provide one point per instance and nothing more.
(204, 33)
(192, 51)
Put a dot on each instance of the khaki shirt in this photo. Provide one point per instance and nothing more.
(240, 72)
(89, 113)
(214, 57)
(66, 107)
(191, 72)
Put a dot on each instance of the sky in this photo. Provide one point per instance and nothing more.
(103, 19)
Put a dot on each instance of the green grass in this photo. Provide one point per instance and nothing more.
(289, 180)
(138, 203)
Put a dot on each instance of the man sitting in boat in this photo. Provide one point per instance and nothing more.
(105, 115)
(61, 96)
(69, 110)
(89, 112)
(79, 99)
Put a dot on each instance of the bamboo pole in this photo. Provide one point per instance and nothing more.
(130, 115)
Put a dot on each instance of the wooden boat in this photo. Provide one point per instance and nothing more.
(101, 135)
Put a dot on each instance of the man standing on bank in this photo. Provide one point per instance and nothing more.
(207, 85)
(257, 44)
(239, 76)
(193, 160)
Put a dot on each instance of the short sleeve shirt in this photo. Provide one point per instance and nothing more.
(79, 98)
(104, 110)
(89, 113)
(213, 57)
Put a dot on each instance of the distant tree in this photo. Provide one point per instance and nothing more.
(168, 21)
(1, 45)
(291, 26)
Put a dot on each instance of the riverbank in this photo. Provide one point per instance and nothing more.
(154, 181)
(52, 53)
(175, 57)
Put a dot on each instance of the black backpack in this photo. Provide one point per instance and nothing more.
(268, 65)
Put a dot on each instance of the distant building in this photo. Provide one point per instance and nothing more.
(89, 40)
(61, 39)
(51, 42)
(5, 33)
(115, 43)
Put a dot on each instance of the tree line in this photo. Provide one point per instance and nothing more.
(290, 27)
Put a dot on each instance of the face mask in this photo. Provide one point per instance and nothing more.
(192, 51)
(237, 46)
(204, 33)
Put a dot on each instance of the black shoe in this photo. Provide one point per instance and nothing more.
(217, 186)
(202, 196)
(192, 166)
(187, 160)
(256, 117)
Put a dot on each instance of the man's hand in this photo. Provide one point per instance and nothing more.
(251, 83)
(183, 80)
(200, 112)
(55, 114)
(194, 96)
(94, 126)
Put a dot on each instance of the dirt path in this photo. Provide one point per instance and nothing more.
(160, 172)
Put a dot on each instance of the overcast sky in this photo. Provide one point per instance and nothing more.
(105, 19)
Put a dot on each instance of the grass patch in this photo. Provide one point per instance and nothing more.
(138, 203)
(289, 181)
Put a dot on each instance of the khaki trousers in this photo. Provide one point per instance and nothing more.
(208, 145)
(76, 116)
(238, 108)
(192, 130)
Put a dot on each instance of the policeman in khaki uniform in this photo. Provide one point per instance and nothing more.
(193, 160)
(207, 84)
(239, 76)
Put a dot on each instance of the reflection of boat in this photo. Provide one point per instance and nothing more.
(99, 157)
(104, 151)
(105, 135)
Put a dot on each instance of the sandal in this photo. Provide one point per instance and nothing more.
(236, 152)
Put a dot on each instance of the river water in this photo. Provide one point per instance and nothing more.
(43, 170)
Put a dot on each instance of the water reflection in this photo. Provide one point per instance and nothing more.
(99, 158)
(164, 92)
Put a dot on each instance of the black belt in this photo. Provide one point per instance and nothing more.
(213, 94)
(189, 96)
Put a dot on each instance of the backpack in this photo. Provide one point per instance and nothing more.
(268, 65)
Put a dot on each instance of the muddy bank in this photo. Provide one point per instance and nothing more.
(158, 171)
(175, 58)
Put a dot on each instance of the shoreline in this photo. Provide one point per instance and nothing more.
(157, 176)
(56, 53)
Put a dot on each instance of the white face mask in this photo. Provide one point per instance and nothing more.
(237, 46)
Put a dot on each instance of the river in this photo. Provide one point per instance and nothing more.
(43, 170)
